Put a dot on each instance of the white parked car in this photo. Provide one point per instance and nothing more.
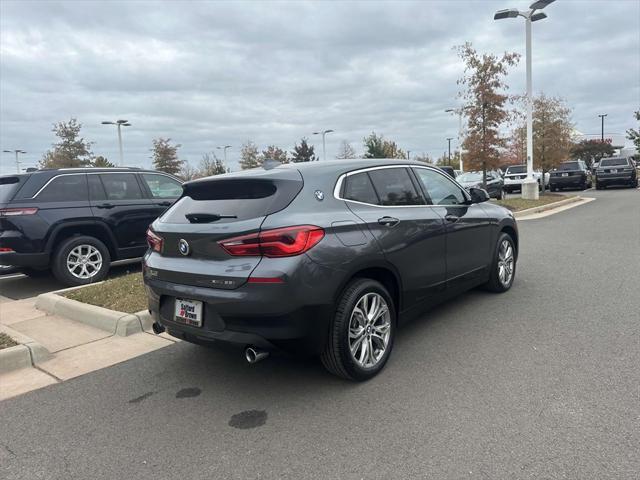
(515, 175)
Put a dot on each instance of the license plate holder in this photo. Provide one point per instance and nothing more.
(614, 170)
(565, 174)
(188, 312)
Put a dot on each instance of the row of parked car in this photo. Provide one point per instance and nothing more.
(618, 171)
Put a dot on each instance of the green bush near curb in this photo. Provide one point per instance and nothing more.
(122, 294)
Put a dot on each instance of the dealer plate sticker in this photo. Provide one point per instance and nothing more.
(189, 312)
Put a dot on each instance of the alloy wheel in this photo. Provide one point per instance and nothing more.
(369, 330)
(84, 261)
(505, 263)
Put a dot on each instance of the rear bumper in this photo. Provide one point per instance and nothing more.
(616, 179)
(24, 259)
(572, 181)
(292, 316)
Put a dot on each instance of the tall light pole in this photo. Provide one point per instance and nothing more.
(460, 112)
(18, 151)
(602, 127)
(119, 124)
(449, 142)
(408, 154)
(324, 147)
(530, 185)
(224, 149)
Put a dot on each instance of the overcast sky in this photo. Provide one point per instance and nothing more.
(210, 73)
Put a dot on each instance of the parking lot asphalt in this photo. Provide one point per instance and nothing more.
(540, 382)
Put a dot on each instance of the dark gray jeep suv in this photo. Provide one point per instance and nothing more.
(322, 258)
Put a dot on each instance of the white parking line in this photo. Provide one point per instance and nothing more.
(15, 275)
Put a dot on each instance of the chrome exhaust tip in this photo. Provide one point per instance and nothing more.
(254, 355)
(157, 328)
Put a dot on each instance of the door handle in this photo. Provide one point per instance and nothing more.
(451, 218)
(388, 221)
(105, 205)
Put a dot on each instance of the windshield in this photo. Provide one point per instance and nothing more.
(470, 177)
(517, 169)
(611, 162)
(569, 166)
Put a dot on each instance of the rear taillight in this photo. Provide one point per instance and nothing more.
(6, 250)
(14, 212)
(280, 242)
(154, 241)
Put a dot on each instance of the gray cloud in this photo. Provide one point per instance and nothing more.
(211, 73)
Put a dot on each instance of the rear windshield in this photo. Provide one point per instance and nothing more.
(232, 199)
(517, 169)
(612, 162)
(9, 186)
(569, 166)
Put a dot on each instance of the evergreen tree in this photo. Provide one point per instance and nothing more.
(165, 156)
(249, 157)
(71, 151)
(303, 152)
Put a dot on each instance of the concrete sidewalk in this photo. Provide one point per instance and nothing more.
(76, 348)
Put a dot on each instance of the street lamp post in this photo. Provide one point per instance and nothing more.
(224, 150)
(324, 148)
(530, 185)
(119, 124)
(18, 151)
(602, 126)
(460, 112)
(449, 142)
(408, 154)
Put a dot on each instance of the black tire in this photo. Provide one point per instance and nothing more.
(59, 260)
(337, 357)
(495, 284)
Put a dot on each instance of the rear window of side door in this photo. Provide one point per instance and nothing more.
(118, 200)
(62, 198)
(411, 234)
(163, 190)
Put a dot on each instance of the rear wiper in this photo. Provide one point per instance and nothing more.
(206, 217)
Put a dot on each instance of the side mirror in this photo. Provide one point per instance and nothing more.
(478, 195)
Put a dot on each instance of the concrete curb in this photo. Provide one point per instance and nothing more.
(14, 358)
(548, 206)
(26, 354)
(116, 323)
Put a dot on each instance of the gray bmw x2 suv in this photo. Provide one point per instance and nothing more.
(322, 258)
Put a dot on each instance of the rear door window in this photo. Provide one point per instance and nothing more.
(359, 188)
(395, 187)
(65, 188)
(439, 188)
(162, 186)
(121, 186)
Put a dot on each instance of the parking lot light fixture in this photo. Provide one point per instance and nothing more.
(602, 115)
(530, 185)
(119, 124)
(324, 148)
(460, 113)
(17, 152)
(224, 150)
